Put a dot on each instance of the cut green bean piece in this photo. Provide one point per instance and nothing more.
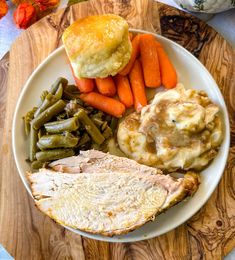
(41, 132)
(35, 165)
(48, 101)
(54, 154)
(72, 92)
(27, 119)
(61, 126)
(26, 126)
(103, 127)
(43, 95)
(107, 132)
(59, 92)
(66, 140)
(97, 121)
(33, 143)
(84, 139)
(113, 124)
(79, 102)
(91, 128)
(62, 116)
(47, 115)
(57, 83)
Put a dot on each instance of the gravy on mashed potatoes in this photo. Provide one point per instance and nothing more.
(181, 128)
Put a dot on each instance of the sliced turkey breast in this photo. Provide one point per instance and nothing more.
(112, 202)
(94, 161)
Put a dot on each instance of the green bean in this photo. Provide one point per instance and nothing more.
(98, 122)
(59, 92)
(104, 125)
(37, 165)
(113, 124)
(26, 126)
(62, 116)
(66, 140)
(84, 139)
(99, 114)
(41, 132)
(72, 88)
(43, 95)
(48, 101)
(27, 119)
(46, 115)
(103, 147)
(33, 143)
(79, 102)
(107, 132)
(91, 128)
(72, 107)
(88, 109)
(54, 154)
(72, 92)
(57, 127)
(57, 83)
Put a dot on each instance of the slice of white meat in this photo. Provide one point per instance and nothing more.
(109, 203)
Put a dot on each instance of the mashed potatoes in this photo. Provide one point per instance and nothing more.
(179, 129)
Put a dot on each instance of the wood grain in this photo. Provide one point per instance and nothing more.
(28, 234)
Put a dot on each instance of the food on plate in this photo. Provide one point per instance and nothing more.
(103, 55)
(48, 114)
(109, 105)
(94, 161)
(63, 124)
(137, 86)
(134, 54)
(97, 46)
(180, 129)
(64, 140)
(106, 86)
(124, 90)
(167, 70)
(149, 59)
(54, 154)
(90, 126)
(84, 85)
(110, 202)
(79, 184)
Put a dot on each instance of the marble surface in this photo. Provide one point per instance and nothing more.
(224, 23)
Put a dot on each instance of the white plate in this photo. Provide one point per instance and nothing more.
(191, 73)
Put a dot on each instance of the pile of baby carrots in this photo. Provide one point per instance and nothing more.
(149, 66)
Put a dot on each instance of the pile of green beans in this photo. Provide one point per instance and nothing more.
(62, 125)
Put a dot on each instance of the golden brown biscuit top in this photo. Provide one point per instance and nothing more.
(92, 34)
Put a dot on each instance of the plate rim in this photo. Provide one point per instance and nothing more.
(115, 239)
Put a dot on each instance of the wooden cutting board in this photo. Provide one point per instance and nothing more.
(28, 234)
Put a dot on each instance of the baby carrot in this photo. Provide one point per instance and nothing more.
(137, 85)
(108, 105)
(124, 90)
(134, 54)
(168, 72)
(83, 84)
(149, 59)
(106, 86)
